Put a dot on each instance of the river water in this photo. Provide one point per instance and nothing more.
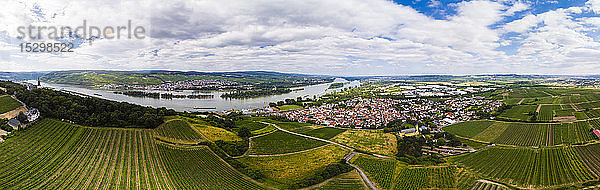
(213, 104)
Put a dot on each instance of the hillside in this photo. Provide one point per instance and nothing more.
(56, 155)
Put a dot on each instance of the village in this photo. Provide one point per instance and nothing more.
(178, 85)
(363, 113)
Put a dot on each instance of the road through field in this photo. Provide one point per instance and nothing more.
(347, 157)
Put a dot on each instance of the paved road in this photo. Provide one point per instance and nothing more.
(362, 174)
(347, 157)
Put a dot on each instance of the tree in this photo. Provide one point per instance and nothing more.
(22, 118)
(244, 132)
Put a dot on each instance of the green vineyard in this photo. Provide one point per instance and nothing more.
(392, 174)
(178, 129)
(527, 167)
(525, 134)
(8, 103)
(197, 175)
(56, 155)
(280, 142)
(347, 181)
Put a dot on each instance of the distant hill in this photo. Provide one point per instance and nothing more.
(20, 76)
(154, 77)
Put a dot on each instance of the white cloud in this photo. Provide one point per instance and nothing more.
(313, 36)
(594, 5)
(517, 7)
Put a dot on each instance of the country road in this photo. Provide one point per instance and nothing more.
(347, 157)
(362, 174)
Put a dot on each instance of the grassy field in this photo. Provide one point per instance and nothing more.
(527, 167)
(280, 142)
(472, 144)
(251, 125)
(55, 155)
(267, 129)
(178, 130)
(8, 103)
(324, 132)
(291, 168)
(215, 133)
(289, 107)
(370, 141)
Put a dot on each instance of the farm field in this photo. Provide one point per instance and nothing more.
(465, 179)
(527, 167)
(393, 174)
(8, 103)
(380, 171)
(469, 128)
(289, 107)
(371, 141)
(519, 112)
(178, 130)
(200, 168)
(251, 125)
(347, 181)
(55, 155)
(482, 185)
(280, 142)
(525, 134)
(547, 112)
(215, 133)
(526, 92)
(264, 130)
(589, 156)
(324, 132)
(288, 169)
(426, 178)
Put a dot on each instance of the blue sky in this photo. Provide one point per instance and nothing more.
(350, 37)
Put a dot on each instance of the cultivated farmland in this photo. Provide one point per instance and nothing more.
(55, 155)
(527, 167)
(524, 134)
(178, 130)
(199, 168)
(371, 141)
(347, 181)
(280, 142)
(8, 103)
(393, 174)
(291, 168)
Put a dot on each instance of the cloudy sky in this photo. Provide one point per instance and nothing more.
(336, 37)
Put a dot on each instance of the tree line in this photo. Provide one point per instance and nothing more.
(89, 111)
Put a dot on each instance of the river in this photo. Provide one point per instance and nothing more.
(212, 104)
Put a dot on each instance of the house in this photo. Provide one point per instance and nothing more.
(32, 114)
(597, 133)
(14, 123)
(409, 132)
